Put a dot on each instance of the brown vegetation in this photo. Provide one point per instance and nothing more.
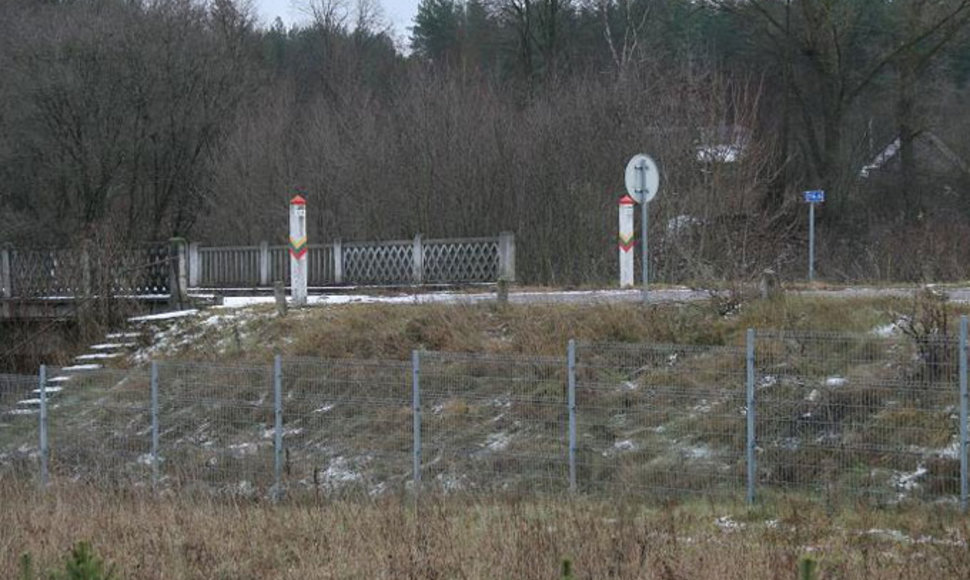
(469, 537)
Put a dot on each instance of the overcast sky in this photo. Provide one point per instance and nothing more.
(398, 12)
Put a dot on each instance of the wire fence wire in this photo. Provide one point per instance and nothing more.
(19, 451)
(828, 416)
(663, 419)
(493, 423)
(347, 426)
(215, 425)
(859, 415)
(98, 426)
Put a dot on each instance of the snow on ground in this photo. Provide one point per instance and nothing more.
(87, 367)
(164, 315)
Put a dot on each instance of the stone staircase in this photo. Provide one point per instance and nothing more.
(116, 345)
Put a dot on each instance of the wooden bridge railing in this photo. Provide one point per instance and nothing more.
(157, 269)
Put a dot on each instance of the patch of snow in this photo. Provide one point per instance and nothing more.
(270, 433)
(813, 396)
(59, 379)
(886, 330)
(908, 481)
(503, 402)
(835, 382)
(243, 449)
(49, 390)
(702, 407)
(625, 445)
(87, 367)
(728, 524)
(165, 315)
(450, 482)
(26, 402)
(112, 345)
(23, 411)
(767, 381)
(699, 452)
(340, 472)
(119, 335)
(498, 441)
(629, 386)
(98, 356)
(325, 408)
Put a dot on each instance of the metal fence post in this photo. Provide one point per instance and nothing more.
(416, 414)
(750, 415)
(44, 476)
(278, 427)
(963, 413)
(571, 402)
(154, 403)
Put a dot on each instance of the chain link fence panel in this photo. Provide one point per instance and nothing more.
(493, 423)
(858, 415)
(660, 420)
(216, 426)
(347, 427)
(99, 427)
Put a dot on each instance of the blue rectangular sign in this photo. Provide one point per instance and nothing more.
(814, 196)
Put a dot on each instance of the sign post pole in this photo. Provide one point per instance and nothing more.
(811, 242)
(644, 218)
(298, 251)
(642, 181)
(626, 241)
(812, 197)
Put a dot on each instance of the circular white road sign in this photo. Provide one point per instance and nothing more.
(642, 178)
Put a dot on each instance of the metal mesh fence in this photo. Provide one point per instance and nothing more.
(99, 426)
(842, 414)
(216, 428)
(660, 419)
(493, 423)
(833, 416)
(18, 426)
(347, 426)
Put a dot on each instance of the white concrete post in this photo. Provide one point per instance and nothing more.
(338, 262)
(6, 280)
(264, 264)
(195, 266)
(298, 251)
(506, 256)
(626, 241)
(417, 260)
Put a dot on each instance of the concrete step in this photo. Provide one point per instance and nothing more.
(113, 346)
(99, 356)
(122, 335)
(82, 368)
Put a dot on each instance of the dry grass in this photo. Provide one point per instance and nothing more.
(393, 331)
(464, 538)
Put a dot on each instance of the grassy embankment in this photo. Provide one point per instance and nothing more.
(526, 538)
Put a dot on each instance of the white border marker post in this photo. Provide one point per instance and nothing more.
(625, 242)
(298, 251)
